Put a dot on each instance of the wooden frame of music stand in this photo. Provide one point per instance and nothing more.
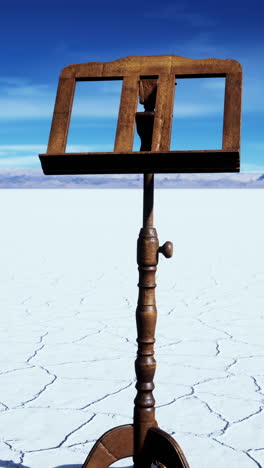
(153, 79)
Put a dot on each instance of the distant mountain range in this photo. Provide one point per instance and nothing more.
(35, 179)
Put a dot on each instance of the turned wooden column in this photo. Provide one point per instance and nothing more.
(146, 312)
(146, 316)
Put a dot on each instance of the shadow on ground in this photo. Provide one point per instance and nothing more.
(68, 466)
(11, 464)
(76, 466)
(72, 466)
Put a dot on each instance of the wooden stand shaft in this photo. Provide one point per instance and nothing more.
(146, 316)
(144, 440)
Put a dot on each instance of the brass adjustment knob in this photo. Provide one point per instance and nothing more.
(166, 249)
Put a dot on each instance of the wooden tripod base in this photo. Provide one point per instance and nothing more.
(159, 448)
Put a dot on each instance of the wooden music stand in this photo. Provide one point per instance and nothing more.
(153, 80)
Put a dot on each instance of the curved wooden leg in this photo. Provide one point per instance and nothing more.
(163, 450)
(112, 446)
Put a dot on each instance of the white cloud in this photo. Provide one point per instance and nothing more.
(27, 155)
(200, 45)
(20, 155)
(214, 83)
(255, 146)
(17, 86)
(179, 12)
(22, 100)
(38, 108)
(37, 90)
(246, 167)
(195, 110)
(19, 161)
(20, 109)
(13, 81)
(97, 107)
(42, 148)
(88, 148)
(21, 148)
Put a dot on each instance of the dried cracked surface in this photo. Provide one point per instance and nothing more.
(67, 339)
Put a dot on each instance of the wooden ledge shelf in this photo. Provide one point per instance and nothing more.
(141, 162)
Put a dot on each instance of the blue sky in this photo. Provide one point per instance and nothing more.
(38, 41)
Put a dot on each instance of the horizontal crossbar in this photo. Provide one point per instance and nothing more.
(137, 162)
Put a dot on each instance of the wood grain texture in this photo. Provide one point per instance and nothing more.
(152, 65)
(150, 78)
(126, 118)
(61, 116)
(114, 445)
(232, 111)
(145, 364)
(164, 112)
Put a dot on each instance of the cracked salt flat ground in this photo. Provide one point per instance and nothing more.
(67, 340)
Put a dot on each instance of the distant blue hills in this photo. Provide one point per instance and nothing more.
(35, 179)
